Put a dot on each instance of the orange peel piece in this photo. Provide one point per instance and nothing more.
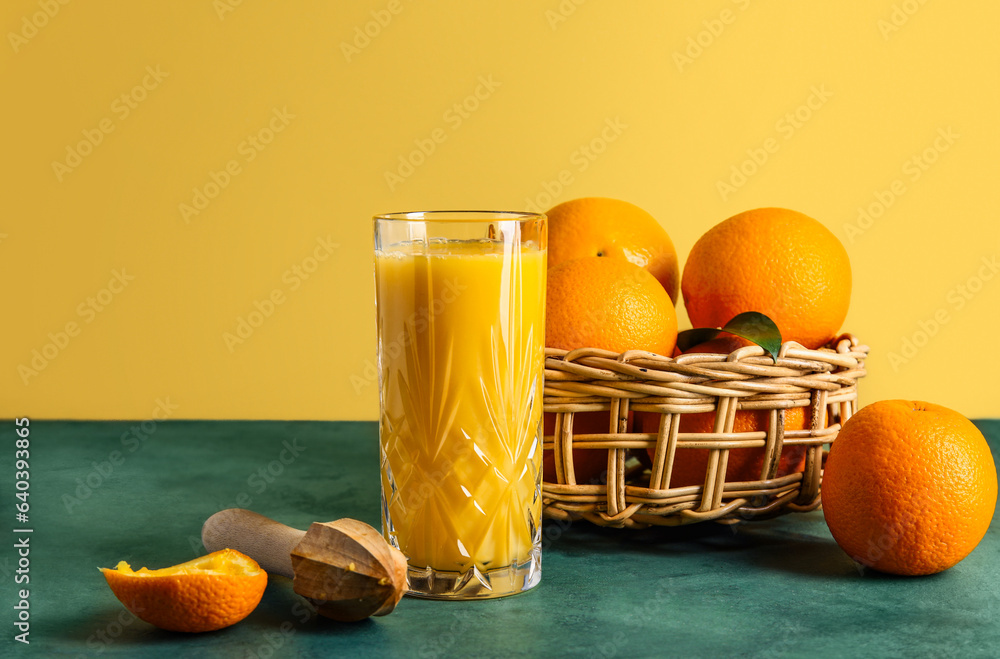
(208, 593)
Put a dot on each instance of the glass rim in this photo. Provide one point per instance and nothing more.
(484, 216)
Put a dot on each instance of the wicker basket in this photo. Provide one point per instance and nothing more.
(637, 490)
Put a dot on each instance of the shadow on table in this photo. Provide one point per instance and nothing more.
(771, 544)
(114, 630)
(285, 611)
(280, 616)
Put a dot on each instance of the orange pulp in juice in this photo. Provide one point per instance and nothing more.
(461, 337)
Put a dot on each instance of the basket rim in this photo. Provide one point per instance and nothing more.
(843, 349)
(823, 380)
(844, 364)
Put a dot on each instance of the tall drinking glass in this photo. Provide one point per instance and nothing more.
(460, 299)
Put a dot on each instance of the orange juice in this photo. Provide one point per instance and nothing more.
(461, 349)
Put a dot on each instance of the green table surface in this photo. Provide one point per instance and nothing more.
(770, 589)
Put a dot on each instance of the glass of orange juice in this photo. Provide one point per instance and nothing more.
(460, 299)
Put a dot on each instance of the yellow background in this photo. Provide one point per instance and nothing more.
(552, 77)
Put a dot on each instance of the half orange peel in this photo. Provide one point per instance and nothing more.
(208, 593)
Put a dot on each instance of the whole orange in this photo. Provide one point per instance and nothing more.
(743, 464)
(909, 487)
(594, 302)
(776, 261)
(589, 465)
(598, 226)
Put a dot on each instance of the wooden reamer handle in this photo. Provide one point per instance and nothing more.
(268, 542)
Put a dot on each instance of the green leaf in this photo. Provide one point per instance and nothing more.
(750, 325)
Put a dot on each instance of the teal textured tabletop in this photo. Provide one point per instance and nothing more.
(107, 491)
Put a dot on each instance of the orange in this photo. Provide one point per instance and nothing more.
(598, 226)
(909, 487)
(589, 465)
(208, 593)
(743, 464)
(595, 302)
(776, 261)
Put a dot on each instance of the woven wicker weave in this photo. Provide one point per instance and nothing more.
(637, 494)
